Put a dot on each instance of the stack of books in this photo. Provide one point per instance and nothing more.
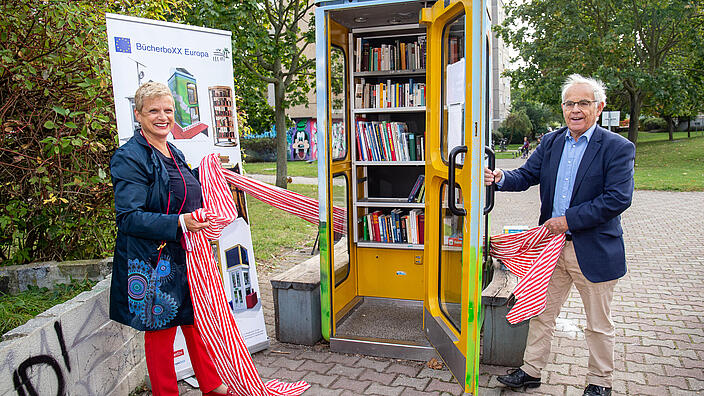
(388, 141)
(417, 193)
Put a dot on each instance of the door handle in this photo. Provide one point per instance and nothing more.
(490, 190)
(451, 181)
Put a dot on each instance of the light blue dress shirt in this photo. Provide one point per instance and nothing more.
(571, 157)
(572, 154)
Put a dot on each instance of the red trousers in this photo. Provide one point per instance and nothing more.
(159, 351)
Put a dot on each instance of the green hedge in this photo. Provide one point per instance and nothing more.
(259, 149)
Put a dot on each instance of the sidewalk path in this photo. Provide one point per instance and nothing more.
(658, 309)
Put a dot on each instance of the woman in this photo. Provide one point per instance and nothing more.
(525, 149)
(155, 193)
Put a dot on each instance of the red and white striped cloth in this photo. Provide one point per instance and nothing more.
(531, 255)
(213, 316)
(286, 200)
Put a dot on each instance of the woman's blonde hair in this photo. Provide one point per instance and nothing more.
(148, 90)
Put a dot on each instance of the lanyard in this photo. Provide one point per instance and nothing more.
(168, 202)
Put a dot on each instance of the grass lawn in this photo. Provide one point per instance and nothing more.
(274, 231)
(18, 309)
(294, 168)
(676, 165)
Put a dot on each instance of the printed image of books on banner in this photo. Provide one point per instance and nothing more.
(388, 141)
(395, 226)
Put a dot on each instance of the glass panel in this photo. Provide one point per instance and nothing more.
(339, 103)
(453, 87)
(341, 251)
(450, 276)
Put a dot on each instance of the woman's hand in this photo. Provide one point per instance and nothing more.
(192, 224)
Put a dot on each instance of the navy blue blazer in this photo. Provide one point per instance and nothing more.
(602, 191)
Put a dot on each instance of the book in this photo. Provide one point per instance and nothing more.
(421, 194)
(412, 146)
(421, 228)
(358, 55)
(416, 188)
(359, 94)
(375, 225)
(404, 228)
(365, 55)
(365, 229)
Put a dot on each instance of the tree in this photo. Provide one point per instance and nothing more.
(269, 39)
(516, 125)
(58, 123)
(626, 43)
(539, 114)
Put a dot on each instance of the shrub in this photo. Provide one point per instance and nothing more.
(58, 127)
(259, 149)
(59, 131)
(654, 124)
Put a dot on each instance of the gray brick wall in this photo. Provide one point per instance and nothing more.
(74, 347)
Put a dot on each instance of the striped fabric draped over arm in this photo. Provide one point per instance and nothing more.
(530, 255)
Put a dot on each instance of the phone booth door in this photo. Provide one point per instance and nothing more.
(456, 122)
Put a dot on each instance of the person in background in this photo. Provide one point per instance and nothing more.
(586, 181)
(525, 149)
(155, 193)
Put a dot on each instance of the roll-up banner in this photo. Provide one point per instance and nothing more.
(196, 64)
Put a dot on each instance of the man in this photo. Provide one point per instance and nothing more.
(586, 181)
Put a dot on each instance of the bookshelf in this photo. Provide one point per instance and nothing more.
(388, 150)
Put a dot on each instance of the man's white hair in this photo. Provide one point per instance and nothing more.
(596, 85)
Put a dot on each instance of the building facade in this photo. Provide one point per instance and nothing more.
(501, 86)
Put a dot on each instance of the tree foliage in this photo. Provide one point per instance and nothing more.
(516, 126)
(629, 44)
(269, 38)
(58, 128)
(540, 115)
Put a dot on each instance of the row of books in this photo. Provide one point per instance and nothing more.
(383, 95)
(396, 55)
(388, 141)
(395, 227)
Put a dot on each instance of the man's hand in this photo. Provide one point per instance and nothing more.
(192, 224)
(557, 225)
(492, 176)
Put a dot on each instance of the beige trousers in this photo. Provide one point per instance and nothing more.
(599, 333)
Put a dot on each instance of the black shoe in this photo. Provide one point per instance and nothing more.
(518, 378)
(596, 390)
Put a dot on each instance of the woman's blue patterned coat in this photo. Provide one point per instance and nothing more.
(144, 295)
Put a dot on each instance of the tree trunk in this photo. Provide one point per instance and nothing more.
(636, 103)
(670, 127)
(281, 130)
(689, 127)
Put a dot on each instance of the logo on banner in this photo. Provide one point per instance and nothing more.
(220, 55)
(122, 44)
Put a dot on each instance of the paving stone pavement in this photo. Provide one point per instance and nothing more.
(657, 309)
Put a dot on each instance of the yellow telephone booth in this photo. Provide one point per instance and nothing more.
(403, 93)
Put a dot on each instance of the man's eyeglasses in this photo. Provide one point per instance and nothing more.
(583, 104)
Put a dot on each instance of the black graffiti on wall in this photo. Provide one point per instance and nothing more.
(21, 379)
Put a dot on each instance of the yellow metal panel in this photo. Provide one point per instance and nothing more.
(391, 273)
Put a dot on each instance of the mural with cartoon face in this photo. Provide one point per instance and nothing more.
(302, 140)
